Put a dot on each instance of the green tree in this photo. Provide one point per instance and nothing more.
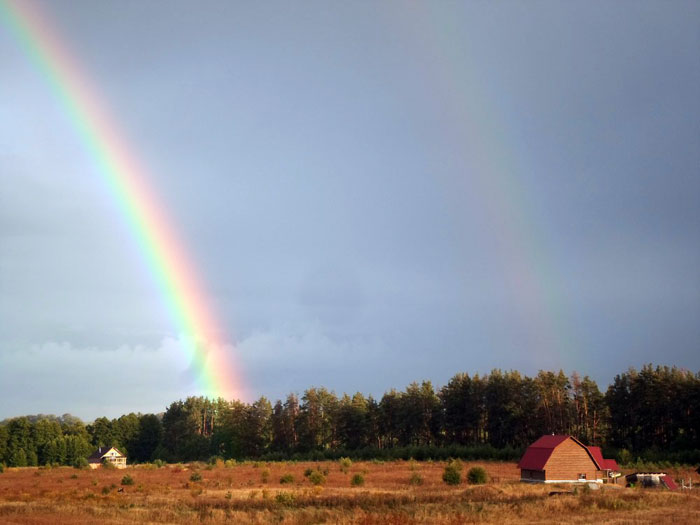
(148, 438)
(4, 437)
(352, 421)
(44, 431)
(315, 424)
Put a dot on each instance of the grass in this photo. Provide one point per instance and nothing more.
(235, 494)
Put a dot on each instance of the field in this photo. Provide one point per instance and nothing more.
(392, 493)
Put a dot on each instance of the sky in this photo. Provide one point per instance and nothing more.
(372, 193)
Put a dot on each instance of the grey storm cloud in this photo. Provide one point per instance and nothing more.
(365, 190)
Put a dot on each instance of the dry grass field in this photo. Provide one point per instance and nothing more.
(254, 493)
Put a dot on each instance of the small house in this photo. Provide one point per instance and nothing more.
(564, 459)
(110, 454)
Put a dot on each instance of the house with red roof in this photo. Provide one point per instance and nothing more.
(564, 459)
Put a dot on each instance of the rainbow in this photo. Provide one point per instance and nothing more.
(491, 158)
(201, 336)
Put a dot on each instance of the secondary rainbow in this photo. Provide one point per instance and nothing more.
(201, 336)
(492, 159)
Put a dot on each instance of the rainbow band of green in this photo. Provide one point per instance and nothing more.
(125, 180)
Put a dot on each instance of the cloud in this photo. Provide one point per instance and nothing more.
(294, 357)
(58, 377)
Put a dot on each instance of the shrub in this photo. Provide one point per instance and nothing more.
(284, 498)
(317, 478)
(127, 480)
(415, 479)
(287, 478)
(476, 476)
(105, 490)
(105, 464)
(229, 463)
(82, 463)
(452, 474)
(308, 472)
(265, 475)
(2, 468)
(159, 463)
(216, 461)
(345, 464)
(196, 476)
(357, 480)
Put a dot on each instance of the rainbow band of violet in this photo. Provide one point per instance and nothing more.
(200, 334)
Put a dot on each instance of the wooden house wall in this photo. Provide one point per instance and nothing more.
(568, 460)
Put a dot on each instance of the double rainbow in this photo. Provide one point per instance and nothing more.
(201, 336)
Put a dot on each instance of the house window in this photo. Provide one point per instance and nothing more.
(582, 476)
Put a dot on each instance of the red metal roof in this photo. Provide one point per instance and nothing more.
(605, 464)
(668, 481)
(538, 453)
(549, 441)
(597, 454)
(610, 464)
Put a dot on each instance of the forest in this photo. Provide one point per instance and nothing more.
(653, 413)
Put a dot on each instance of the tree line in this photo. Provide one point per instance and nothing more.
(652, 413)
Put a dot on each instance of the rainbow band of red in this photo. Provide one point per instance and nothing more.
(200, 334)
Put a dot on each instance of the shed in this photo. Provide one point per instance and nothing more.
(651, 480)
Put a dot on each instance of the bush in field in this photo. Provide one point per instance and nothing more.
(357, 480)
(2, 468)
(265, 475)
(284, 498)
(216, 461)
(452, 474)
(308, 472)
(196, 476)
(106, 464)
(345, 464)
(159, 463)
(416, 479)
(317, 478)
(287, 478)
(127, 480)
(82, 463)
(476, 476)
